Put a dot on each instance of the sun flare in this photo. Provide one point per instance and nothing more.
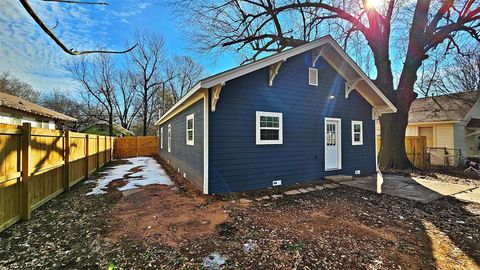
(373, 3)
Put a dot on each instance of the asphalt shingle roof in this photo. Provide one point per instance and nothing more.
(30, 107)
(452, 107)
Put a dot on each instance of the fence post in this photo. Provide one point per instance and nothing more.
(26, 151)
(136, 146)
(67, 161)
(105, 150)
(87, 140)
(112, 145)
(98, 152)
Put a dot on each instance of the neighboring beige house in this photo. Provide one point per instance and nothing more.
(16, 111)
(449, 121)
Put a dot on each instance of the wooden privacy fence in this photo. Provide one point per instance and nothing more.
(416, 148)
(136, 146)
(38, 164)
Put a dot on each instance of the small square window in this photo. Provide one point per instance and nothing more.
(190, 129)
(357, 133)
(269, 128)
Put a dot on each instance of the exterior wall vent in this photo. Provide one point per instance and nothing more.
(313, 76)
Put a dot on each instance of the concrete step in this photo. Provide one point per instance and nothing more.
(339, 178)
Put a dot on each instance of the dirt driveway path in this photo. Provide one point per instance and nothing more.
(175, 227)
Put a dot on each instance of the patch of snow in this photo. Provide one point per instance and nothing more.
(150, 173)
(214, 261)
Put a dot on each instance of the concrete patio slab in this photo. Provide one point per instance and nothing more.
(411, 188)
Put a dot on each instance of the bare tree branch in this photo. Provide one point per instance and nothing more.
(77, 2)
(52, 35)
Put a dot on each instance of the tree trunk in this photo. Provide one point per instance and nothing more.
(145, 111)
(392, 149)
(110, 124)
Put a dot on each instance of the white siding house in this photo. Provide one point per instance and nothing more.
(448, 121)
(16, 111)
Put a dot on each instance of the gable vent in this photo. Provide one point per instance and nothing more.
(313, 76)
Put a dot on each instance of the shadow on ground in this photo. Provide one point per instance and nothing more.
(333, 228)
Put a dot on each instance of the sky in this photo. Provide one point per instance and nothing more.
(29, 54)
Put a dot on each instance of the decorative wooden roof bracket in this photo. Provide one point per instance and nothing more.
(350, 86)
(273, 71)
(375, 114)
(216, 95)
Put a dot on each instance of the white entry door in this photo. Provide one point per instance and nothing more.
(333, 144)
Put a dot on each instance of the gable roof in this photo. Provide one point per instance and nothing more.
(451, 107)
(328, 49)
(20, 104)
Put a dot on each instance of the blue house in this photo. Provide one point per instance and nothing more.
(296, 116)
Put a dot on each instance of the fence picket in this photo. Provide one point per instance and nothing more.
(38, 164)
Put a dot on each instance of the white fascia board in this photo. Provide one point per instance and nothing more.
(364, 77)
(282, 56)
(228, 75)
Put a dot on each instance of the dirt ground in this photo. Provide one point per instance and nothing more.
(176, 227)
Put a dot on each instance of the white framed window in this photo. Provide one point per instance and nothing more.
(269, 128)
(169, 139)
(190, 129)
(313, 76)
(161, 138)
(357, 133)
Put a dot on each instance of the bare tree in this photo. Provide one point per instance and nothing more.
(14, 86)
(64, 102)
(97, 78)
(412, 29)
(51, 34)
(183, 72)
(458, 75)
(465, 75)
(145, 66)
(126, 103)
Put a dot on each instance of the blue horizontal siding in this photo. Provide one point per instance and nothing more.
(187, 158)
(236, 163)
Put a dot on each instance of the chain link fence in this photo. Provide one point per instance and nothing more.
(442, 156)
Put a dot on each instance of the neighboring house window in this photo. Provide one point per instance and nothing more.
(269, 128)
(313, 76)
(357, 133)
(190, 133)
(161, 138)
(169, 139)
(45, 125)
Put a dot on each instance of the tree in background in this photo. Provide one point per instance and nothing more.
(145, 66)
(97, 78)
(14, 86)
(62, 101)
(126, 102)
(408, 31)
(461, 74)
(183, 72)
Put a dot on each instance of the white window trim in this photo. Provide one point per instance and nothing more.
(192, 141)
(169, 139)
(161, 137)
(316, 71)
(280, 128)
(361, 132)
